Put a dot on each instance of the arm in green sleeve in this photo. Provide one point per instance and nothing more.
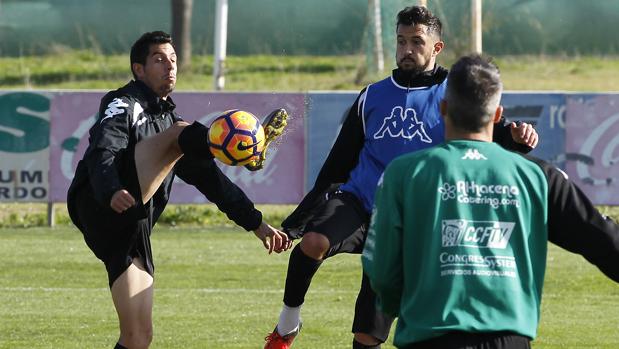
(382, 254)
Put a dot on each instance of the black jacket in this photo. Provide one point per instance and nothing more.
(576, 225)
(344, 154)
(133, 113)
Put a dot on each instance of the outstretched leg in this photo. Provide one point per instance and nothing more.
(156, 156)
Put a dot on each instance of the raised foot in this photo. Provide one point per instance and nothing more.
(274, 126)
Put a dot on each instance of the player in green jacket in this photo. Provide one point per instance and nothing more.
(458, 240)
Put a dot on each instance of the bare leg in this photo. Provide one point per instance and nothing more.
(155, 157)
(315, 245)
(132, 294)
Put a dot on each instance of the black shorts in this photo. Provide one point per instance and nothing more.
(344, 221)
(467, 340)
(114, 238)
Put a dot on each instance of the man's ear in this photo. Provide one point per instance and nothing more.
(138, 70)
(438, 47)
(498, 113)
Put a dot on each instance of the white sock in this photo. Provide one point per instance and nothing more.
(289, 320)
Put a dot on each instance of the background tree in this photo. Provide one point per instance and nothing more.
(181, 31)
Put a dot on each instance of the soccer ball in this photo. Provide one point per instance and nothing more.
(236, 137)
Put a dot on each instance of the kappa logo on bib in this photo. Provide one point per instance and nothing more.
(403, 123)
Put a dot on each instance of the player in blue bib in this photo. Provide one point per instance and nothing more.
(395, 116)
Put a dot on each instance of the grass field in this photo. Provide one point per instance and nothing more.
(216, 288)
(70, 69)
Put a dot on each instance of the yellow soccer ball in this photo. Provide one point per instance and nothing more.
(236, 137)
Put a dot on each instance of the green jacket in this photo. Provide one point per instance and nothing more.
(459, 235)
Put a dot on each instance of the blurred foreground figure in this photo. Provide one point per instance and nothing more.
(458, 241)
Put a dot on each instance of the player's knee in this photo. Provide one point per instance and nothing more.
(138, 339)
(181, 124)
(192, 140)
(175, 132)
(315, 245)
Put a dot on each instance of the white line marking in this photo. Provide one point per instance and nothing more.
(158, 290)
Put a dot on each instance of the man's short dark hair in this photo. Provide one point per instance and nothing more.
(140, 49)
(413, 15)
(473, 92)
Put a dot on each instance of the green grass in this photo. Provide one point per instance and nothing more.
(590, 74)
(27, 215)
(85, 69)
(216, 288)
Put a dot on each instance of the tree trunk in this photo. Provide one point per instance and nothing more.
(181, 31)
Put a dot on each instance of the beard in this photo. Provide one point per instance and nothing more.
(166, 89)
(411, 66)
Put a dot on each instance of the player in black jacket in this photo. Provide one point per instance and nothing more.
(122, 184)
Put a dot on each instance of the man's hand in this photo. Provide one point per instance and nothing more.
(273, 239)
(524, 133)
(121, 201)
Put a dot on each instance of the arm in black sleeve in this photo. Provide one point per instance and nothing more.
(109, 139)
(336, 169)
(344, 154)
(576, 225)
(204, 174)
(503, 136)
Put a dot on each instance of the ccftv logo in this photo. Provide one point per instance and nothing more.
(482, 234)
(403, 123)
